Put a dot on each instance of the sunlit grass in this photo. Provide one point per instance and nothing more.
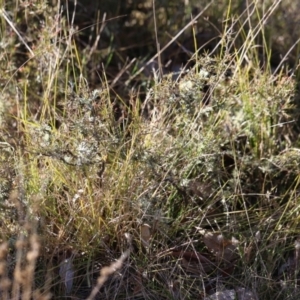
(88, 174)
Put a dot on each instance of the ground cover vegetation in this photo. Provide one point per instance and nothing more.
(149, 150)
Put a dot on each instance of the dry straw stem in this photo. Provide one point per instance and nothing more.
(170, 42)
(106, 272)
(10, 23)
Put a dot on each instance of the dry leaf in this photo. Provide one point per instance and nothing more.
(194, 262)
(145, 234)
(248, 252)
(66, 272)
(200, 269)
(191, 256)
(222, 248)
(66, 269)
(137, 282)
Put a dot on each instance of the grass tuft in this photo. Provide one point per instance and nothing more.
(118, 184)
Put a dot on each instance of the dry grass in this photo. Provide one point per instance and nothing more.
(186, 190)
